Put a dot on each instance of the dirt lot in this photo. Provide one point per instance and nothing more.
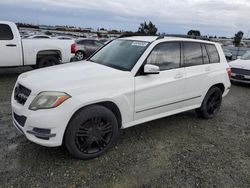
(177, 151)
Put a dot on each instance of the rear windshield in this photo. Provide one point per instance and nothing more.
(120, 54)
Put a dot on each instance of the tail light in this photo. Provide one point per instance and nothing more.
(229, 72)
(73, 48)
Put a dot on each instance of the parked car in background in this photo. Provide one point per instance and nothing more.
(104, 40)
(128, 82)
(36, 53)
(86, 47)
(228, 54)
(63, 38)
(39, 37)
(241, 69)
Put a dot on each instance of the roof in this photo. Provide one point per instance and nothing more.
(153, 38)
(141, 38)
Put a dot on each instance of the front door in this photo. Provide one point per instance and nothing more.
(156, 94)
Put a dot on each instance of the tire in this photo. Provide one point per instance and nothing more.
(91, 132)
(211, 104)
(80, 55)
(47, 61)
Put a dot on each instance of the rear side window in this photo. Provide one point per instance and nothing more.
(166, 56)
(204, 54)
(212, 53)
(192, 54)
(5, 32)
(88, 42)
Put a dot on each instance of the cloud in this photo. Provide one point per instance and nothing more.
(223, 17)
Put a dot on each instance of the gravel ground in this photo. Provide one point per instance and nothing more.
(177, 151)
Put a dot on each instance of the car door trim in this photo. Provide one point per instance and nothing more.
(168, 104)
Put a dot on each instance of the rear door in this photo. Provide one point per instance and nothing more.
(196, 62)
(160, 93)
(10, 47)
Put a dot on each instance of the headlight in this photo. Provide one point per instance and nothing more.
(48, 99)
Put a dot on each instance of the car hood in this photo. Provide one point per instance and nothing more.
(240, 63)
(70, 77)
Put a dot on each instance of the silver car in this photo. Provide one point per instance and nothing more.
(86, 47)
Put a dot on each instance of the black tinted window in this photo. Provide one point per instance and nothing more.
(85, 42)
(212, 53)
(166, 56)
(5, 32)
(192, 54)
(88, 42)
(205, 55)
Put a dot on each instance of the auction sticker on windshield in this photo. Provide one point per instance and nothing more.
(138, 43)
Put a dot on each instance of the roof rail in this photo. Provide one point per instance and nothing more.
(160, 37)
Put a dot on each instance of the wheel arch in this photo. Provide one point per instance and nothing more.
(109, 105)
(221, 86)
(44, 53)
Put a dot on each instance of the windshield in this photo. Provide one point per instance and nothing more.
(246, 56)
(120, 54)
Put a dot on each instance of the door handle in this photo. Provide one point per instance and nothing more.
(11, 45)
(178, 76)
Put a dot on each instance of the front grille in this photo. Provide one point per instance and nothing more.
(20, 119)
(21, 94)
(240, 71)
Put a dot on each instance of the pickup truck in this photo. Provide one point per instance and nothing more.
(15, 51)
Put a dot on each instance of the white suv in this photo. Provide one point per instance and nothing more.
(127, 82)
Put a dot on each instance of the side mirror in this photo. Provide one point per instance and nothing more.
(151, 69)
(238, 57)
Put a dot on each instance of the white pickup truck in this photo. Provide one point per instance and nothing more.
(15, 51)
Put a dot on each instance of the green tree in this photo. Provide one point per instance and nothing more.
(237, 38)
(147, 29)
(194, 33)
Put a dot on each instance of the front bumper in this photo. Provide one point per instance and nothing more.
(43, 127)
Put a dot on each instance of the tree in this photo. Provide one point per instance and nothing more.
(147, 29)
(237, 39)
(194, 33)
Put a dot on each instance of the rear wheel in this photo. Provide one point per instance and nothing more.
(91, 132)
(80, 55)
(211, 103)
(47, 61)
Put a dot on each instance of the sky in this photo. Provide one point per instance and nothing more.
(211, 17)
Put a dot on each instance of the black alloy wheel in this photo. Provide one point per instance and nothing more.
(90, 132)
(211, 103)
(93, 135)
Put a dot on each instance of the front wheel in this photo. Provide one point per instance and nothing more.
(211, 103)
(91, 132)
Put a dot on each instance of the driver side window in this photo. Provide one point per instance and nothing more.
(166, 56)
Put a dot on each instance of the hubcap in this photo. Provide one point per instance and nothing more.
(79, 55)
(94, 135)
(213, 103)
